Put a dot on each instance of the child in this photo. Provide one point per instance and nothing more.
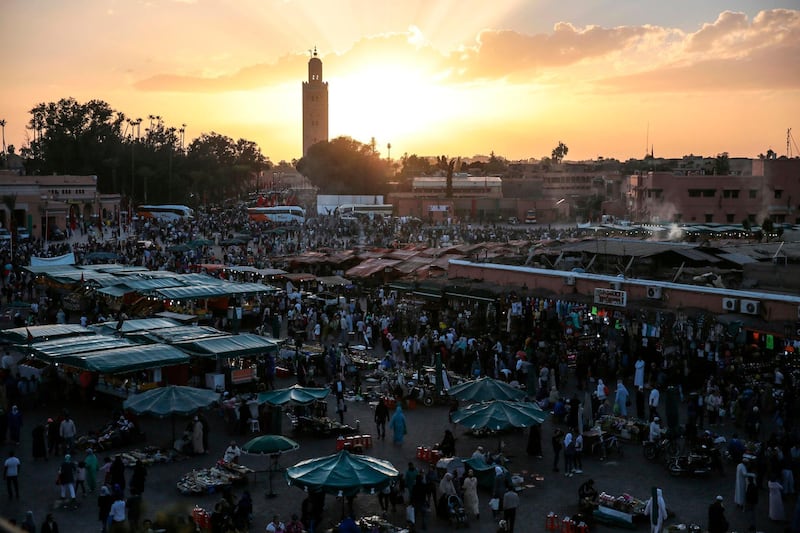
(80, 478)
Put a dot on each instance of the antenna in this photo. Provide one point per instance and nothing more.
(647, 139)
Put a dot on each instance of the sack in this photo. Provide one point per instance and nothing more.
(410, 514)
(494, 504)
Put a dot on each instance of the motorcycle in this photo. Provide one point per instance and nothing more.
(692, 464)
(653, 450)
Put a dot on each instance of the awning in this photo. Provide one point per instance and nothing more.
(54, 349)
(128, 359)
(180, 334)
(136, 324)
(334, 281)
(229, 347)
(178, 317)
(212, 291)
(42, 333)
(117, 291)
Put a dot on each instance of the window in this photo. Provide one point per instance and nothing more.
(694, 193)
(778, 194)
(705, 193)
(753, 193)
(729, 218)
(709, 217)
(730, 193)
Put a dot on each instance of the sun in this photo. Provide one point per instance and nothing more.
(390, 103)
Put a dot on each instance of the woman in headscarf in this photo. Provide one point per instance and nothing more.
(471, 502)
(398, 425)
(656, 511)
(621, 399)
(91, 470)
(446, 486)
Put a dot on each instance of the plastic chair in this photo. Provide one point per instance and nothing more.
(255, 426)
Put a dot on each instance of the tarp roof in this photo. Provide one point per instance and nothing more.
(212, 291)
(370, 267)
(333, 280)
(117, 291)
(40, 333)
(49, 350)
(126, 359)
(228, 347)
(181, 333)
(137, 324)
(178, 317)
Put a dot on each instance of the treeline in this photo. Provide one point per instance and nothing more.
(144, 159)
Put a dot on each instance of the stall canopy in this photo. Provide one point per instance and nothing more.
(343, 473)
(54, 349)
(178, 317)
(500, 414)
(133, 325)
(194, 292)
(295, 395)
(229, 347)
(485, 389)
(126, 359)
(334, 281)
(179, 334)
(171, 400)
(42, 333)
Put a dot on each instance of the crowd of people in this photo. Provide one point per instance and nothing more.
(625, 364)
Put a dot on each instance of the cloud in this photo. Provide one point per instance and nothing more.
(731, 53)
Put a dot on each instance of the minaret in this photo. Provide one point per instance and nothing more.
(315, 104)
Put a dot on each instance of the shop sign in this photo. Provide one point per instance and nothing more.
(242, 375)
(611, 297)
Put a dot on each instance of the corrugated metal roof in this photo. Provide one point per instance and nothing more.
(739, 259)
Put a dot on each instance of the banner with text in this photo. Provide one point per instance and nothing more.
(611, 297)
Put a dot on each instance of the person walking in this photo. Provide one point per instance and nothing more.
(138, 478)
(577, 461)
(66, 477)
(717, 523)
(381, 417)
(104, 502)
(510, 504)
(621, 400)
(751, 503)
(557, 445)
(398, 425)
(67, 432)
(11, 475)
(569, 454)
(117, 474)
(117, 515)
(14, 424)
(776, 510)
(656, 510)
(470, 488)
(197, 436)
(418, 501)
(91, 470)
(28, 525)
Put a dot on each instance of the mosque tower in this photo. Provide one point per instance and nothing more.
(315, 104)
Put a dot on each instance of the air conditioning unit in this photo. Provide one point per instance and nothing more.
(730, 305)
(569, 280)
(616, 285)
(654, 293)
(750, 307)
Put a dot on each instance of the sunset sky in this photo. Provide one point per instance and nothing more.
(455, 77)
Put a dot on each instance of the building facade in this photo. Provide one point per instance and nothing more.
(772, 191)
(45, 204)
(315, 105)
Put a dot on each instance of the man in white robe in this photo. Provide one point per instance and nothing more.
(656, 511)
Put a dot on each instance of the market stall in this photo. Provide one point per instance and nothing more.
(622, 511)
(214, 479)
(625, 428)
(116, 433)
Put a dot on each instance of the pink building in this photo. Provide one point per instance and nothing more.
(773, 190)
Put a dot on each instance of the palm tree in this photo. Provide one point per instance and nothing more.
(3, 127)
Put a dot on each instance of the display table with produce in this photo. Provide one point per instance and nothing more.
(623, 511)
(214, 479)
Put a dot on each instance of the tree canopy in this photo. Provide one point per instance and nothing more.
(91, 138)
(345, 166)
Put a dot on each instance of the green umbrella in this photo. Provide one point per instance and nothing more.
(342, 474)
(295, 395)
(232, 242)
(500, 414)
(170, 401)
(272, 445)
(178, 248)
(485, 389)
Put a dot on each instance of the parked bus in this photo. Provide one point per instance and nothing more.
(530, 216)
(367, 210)
(165, 212)
(279, 214)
